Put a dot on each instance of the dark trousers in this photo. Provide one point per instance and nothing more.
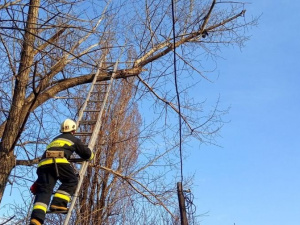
(47, 178)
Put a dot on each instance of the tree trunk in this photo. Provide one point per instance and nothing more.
(14, 120)
(7, 164)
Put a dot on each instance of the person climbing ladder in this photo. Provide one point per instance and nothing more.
(54, 165)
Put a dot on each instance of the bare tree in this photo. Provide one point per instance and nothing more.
(50, 50)
(104, 193)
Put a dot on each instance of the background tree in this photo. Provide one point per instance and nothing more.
(104, 195)
(50, 50)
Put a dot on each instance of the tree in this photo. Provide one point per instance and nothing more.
(51, 48)
(103, 194)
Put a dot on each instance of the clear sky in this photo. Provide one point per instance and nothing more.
(254, 178)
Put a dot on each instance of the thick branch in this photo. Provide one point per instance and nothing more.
(49, 41)
(72, 82)
(151, 56)
(69, 83)
(27, 162)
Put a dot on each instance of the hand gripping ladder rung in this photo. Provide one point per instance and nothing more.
(94, 134)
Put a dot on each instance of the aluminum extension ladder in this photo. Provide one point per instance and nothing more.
(89, 117)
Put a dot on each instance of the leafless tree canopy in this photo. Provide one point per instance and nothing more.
(49, 53)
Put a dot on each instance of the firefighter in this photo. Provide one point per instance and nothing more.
(54, 165)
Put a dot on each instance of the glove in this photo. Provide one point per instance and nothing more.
(34, 188)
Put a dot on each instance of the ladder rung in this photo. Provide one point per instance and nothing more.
(83, 134)
(87, 122)
(58, 212)
(91, 110)
(77, 160)
(95, 100)
(57, 97)
(101, 83)
(98, 91)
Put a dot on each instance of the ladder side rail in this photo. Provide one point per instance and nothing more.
(99, 121)
(91, 146)
(80, 114)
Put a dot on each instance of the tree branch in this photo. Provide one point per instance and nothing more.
(31, 162)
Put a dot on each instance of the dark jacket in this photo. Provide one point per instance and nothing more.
(69, 144)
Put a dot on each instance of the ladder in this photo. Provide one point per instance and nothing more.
(89, 122)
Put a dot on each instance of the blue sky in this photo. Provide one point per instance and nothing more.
(254, 178)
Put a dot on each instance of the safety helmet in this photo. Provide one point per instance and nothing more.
(67, 126)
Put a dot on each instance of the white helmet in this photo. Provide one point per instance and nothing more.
(67, 126)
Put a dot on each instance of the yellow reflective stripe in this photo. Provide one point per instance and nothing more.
(50, 161)
(60, 143)
(63, 192)
(34, 221)
(40, 207)
(65, 197)
(92, 156)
